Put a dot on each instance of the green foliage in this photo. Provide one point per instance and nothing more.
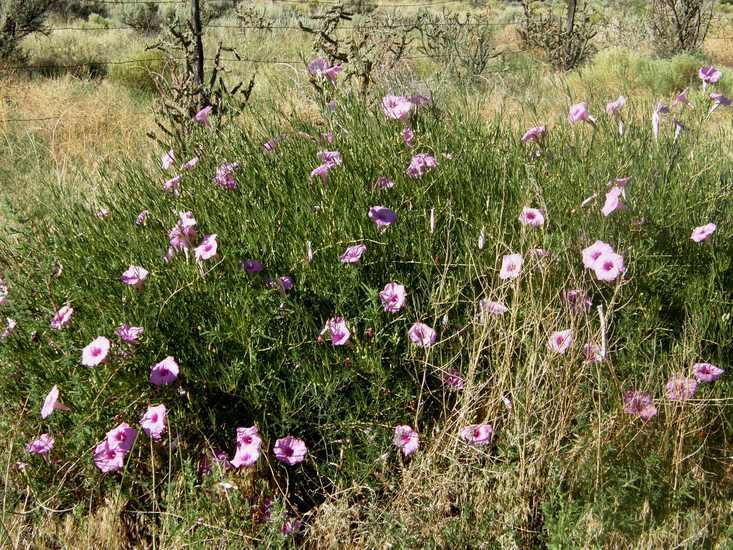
(145, 17)
(139, 75)
(18, 19)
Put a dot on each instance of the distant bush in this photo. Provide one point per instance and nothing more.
(19, 19)
(141, 74)
(144, 17)
(80, 8)
(679, 25)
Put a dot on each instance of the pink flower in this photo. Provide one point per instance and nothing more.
(190, 165)
(95, 352)
(408, 136)
(338, 331)
(493, 308)
(396, 107)
(249, 437)
(51, 403)
(330, 158)
(613, 107)
(511, 266)
(165, 372)
(478, 434)
(135, 276)
(532, 217)
(609, 266)
(382, 216)
(202, 117)
(709, 75)
(534, 134)
(577, 300)
(593, 353)
(406, 439)
(173, 185)
(290, 450)
(453, 380)
(639, 404)
(317, 66)
(332, 72)
(703, 233)
(184, 233)
(154, 420)
(393, 297)
(659, 110)
(245, 456)
(40, 446)
(9, 329)
(560, 341)
(718, 100)
(291, 526)
(321, 172)
(681, 98)
(207, 249)
(62, 318)
(353, 254)
(580, 113)
(225, 177)
(3, 293)
(129, 334)
(620, 182)
(167, 159)
(108, 459)
(594, 251)
(142, 217)
(248, 447)
(706, 372)
(420, 165)
(680, 388)
(613, 201)
(383, 183)
(421, 335)
(122, 437)
(285, 282)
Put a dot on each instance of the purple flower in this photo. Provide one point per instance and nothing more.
(154, 420)
(580, 113)
(173, 185)
(135, 276)
(492, 308)
(422, 335)
(681, 98)
(330, 158)
(703, 233)
(167, 159)
(164, 372)
(62, 318)
(202, 117)
(532, 217)
(577, 300)
(320, 68)
(95, 352)
(613, 201)
(408, 136)
(40, 446)
(338, 331)
(248, 447)
(9, 329)
(593, 353)
(406, 439)
(383, 183)
(108, 459)
(453, 380)
(353, 254)
(560, 341)
(614, 107)
(142, 217)
(51, 403)
(680, 388)
(709, 75)
(382, 216)
(535, 134)
(639, 404)
(122, 437)
(511, 266)
(392, 297)
(396, 107)
(225, 177)
(285, 282)
(321, 172)
(594, 251)
(290, 450)
(129, 334)
(706, 372)
(207, 249)
(718, 100)
(252, 266)
(478, 434)
(190, 165)
(420, 165)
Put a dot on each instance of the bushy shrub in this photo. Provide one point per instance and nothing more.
(252, 350)
(80, 8)
(140, 74)
(679, 25)
(142, 16)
